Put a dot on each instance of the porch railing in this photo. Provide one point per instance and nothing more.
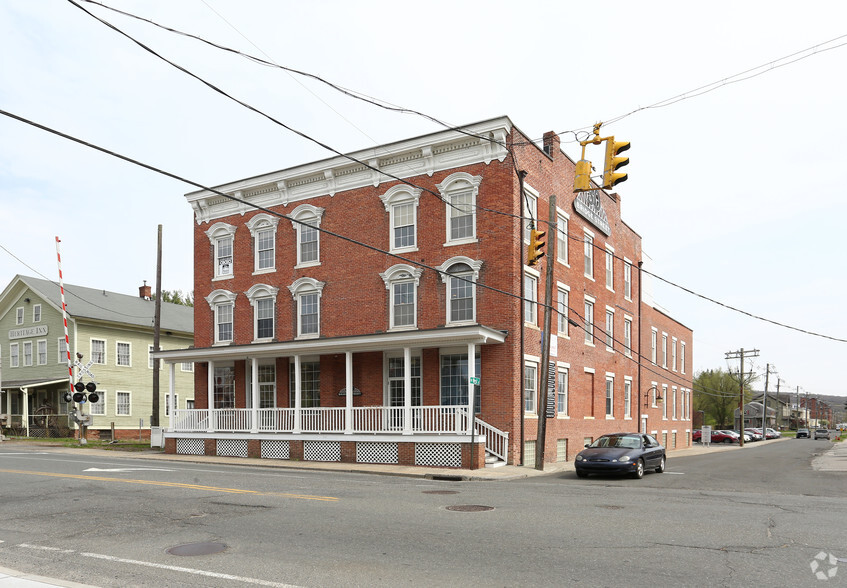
(496, 441)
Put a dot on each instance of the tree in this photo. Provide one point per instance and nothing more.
(177, 297)
(716, 394)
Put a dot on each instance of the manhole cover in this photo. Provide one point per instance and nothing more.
(440, 491)
(204, 548)
(470, 508)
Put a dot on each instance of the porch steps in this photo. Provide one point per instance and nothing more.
(492, 461)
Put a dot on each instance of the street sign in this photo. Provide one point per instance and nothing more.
(474, 381)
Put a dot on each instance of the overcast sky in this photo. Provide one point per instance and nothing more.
(736, 189)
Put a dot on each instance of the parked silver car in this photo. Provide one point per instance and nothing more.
(821, 433)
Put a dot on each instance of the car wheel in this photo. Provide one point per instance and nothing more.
(639, 470)
(580, 474)
(661, 467)
(727, 440)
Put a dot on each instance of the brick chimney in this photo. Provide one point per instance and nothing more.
(551, 143)
(145, 291)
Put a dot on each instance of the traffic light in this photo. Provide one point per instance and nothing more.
(582, 176)
(610, 178)
(536, 246)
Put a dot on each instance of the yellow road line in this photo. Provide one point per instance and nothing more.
(174, 485)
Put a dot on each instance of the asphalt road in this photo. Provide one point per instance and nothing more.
(729, 518)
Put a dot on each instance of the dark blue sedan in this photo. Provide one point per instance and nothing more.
(621, 453)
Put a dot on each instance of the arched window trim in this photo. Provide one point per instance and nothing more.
(216, 299)
(394, 197)
(396, 274)
(452, 184)
(306, 213)
(257, 224)
(298, 289)
(444, 268)
(217, 231)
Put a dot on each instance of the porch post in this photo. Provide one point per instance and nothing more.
(210, 395)
(348, 399)
(171, 399)
(26, 408)
(298, 399)
(471, 375)
(254, 393)
(407, 391)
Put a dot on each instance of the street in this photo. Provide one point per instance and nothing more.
(729, 518)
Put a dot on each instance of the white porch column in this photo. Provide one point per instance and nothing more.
(172, 398)
(407, 390)
(25, 409)
(254, 393)
(348, 400)
(298, 398)
(471, 375)
(210, 393)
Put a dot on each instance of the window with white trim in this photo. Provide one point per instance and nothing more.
(222, 304)
(627, 279)
(627, 336)
(263, 300)
(221, 237)
(530, 212)
(63, 350)
(589, 321)
(306, 220)
(168, 403)
(307, 298)
(460, 274)
(263, 231)
(610, 396)
(401, 204)
(562, 238)
(224, 392)
(98, 351)
(41, 351)
(627, 398)
(665, 401)
(530, 298)
(98, 407)
(610, 328)
(36, 313)
(562, 392)
(654, 394)
(27, 353)
(682, 356)
(123, 354)
(673, 405)
(530, 379)
(14, 357)
(266, 376)
(654, 336)
(19, 315)
(310, 384)
(563, 327)
(588, 248)
(401, 281)
(459, 191)
(123, 402)
(664, 350)
(673, 353)
(187, 366)
(454, 379)
(610, 268)
(396, 382)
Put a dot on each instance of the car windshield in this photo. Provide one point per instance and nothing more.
(629, 441)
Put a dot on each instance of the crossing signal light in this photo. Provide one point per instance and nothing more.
(536, 246)
(79, 393)
(68, 397)
(582, 177)
(613, 162)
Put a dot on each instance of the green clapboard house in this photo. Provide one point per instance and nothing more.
(113, 333)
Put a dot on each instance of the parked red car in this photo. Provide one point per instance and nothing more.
(717, 437)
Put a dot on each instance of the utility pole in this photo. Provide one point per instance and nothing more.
(157, 320)
(544, 385)
(765, 404)
(740, 356)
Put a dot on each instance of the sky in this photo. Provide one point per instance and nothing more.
(734, 180)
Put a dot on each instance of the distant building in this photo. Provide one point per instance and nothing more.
(423, 343)
(114, 334)
(781, 403)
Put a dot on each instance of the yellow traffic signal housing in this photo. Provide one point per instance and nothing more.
(536, 246)
(610, 178)
(582, 177)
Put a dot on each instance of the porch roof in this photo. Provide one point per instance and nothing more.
(417, 339)
(30, 383)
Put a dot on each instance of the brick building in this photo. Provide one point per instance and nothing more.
(337, 321)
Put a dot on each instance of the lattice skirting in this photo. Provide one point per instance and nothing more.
(446, 455)
(377, 453)
(232, 447)
(190, 447)
(322, 450)
(276, 450)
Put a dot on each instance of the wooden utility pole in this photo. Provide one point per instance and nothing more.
(157, 320)
(543, 384)
(740, 356)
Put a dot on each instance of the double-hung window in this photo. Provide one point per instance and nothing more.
(454, 380)
(42, 352)
(664, 350)
(19, 315)
(98, 351)
(122, 354)
(610, 396)
(627, 279)
(310, 384)
(14, 355)
(562, 392)
(588, 246)
(562, 295)
(530, 377)
(627, 336)
(221, 236)
(266, 377)
(402, 281)
(459, 192)
(263, 299)
(122, 404)
(530, 295)
(627, 398)
(28, 353)
(307, 298)
(263, 231)
(673, 353)
(562, 238)
(654, 335)
(682, 356)
(222, 304)
(610, 328)
(610, 268)
(460, 275)
(36, 313)
(589, 321)
(401, 204)
(224, 392)
(306, 220)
